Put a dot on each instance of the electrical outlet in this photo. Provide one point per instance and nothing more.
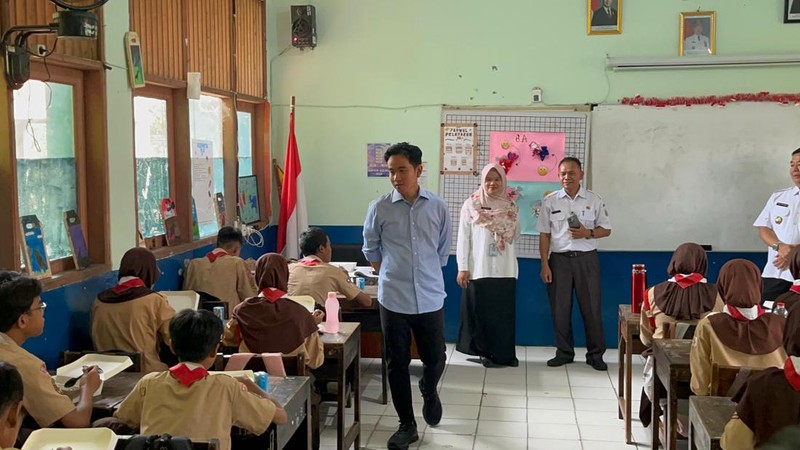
(536, 95)
(41, 50)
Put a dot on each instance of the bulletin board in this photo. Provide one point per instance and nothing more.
(455, 188)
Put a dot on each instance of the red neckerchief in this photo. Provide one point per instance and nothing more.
(795, 288)
(791, 374)
(734, 312)
(186, 376)
(685, 281)
(217, 253)
(130, 284)
(272, 295)
(308, 261)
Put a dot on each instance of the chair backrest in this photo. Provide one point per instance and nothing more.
(681, 329)
(294, 365)
(211, 444)
(726, 380)
(72, 356)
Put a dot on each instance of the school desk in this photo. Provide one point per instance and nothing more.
(671, 370)
(629, 343)
(707, 419)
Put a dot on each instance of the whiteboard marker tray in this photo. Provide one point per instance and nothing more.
(77, 438)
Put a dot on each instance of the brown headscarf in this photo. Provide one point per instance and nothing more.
(691, 302)
(768, 402)
(273, 326)
(792, 296)
(137, 262)
(739, 285)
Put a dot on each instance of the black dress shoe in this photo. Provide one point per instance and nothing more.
(597, 364)
(431, 407)
(488, 363)
(513, 363)
(559, 361)
(405, 435)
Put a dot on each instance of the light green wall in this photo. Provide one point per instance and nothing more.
(383, 68)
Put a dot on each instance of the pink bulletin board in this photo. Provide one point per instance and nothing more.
(530, 156)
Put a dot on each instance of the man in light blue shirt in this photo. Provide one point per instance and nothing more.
(407, 240)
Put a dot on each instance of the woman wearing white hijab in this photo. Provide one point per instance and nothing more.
(487, 271)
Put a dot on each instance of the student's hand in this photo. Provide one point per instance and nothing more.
(318, 316)
(463, 278)
(546, 274)
(91, 379)
(780, 262)
(579, 233)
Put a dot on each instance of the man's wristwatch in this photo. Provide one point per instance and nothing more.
(775, 245)
(591, 234)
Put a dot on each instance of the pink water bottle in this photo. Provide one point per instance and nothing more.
(332, 313)
(638, 287)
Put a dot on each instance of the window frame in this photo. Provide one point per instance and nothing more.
(249, 108)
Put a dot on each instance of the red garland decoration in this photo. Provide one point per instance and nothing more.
(713, 100)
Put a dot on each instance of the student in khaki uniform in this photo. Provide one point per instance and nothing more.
(130, 316)
(742, 335)
(187, 401)
(770, 400)
(315, 276)
(22, 318)
(222, 273)
(271, 322)
(11, 390)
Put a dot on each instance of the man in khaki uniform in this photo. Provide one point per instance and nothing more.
(22, 318)
(222, 273)
(315, 276)
(187, 401)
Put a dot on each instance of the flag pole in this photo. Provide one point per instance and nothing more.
(291, 105)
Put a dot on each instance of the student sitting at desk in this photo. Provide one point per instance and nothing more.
(222, 273)
(792, 296)
(742, 335)
(315, 276)
(130, 316)
(271, 323)
(770, 400)
(187, 401)
(685, 296)
(22, 318)
(11, 390)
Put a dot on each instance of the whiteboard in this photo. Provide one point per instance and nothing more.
(700, 173)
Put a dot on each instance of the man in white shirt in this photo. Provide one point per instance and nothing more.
(697, 44)
(779, 228)
(568, 248)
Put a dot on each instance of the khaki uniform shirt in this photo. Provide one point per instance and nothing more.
(318, 280)
(41, 400)
(737, 436)
(207, 409)
(647, 333)
(227, 278)
(133, 326)
(708, 349)
(312, 349)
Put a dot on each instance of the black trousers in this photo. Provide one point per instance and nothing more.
(428, 331)
(579, 271)
(773, 287)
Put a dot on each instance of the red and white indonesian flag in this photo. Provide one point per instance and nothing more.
(293, 218)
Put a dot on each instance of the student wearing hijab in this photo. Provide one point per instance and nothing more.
(792, 296)
(132, 317)
(770, 400)
(487, 271)
(742, 335)
(685, 296)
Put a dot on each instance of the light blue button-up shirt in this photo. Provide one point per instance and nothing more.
(412, 243)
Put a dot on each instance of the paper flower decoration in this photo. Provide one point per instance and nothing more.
(507, 160)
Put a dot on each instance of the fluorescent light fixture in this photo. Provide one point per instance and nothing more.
(701, 62)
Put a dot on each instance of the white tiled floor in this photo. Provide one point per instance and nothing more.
(528, 407)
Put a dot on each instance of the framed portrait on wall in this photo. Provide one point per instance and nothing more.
(698, 33)
(791, 12)
(603, 16)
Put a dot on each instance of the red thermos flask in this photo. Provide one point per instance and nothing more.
(638, 286)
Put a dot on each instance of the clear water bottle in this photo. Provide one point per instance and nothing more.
(332, 313)
(780, 309)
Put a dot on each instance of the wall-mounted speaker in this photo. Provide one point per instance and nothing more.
(304, 26)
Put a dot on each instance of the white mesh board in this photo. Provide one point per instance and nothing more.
(454, 189)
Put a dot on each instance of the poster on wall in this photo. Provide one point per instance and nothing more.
(459, 152)
(527, 156)
(529, 199)
(33, 247)
(376, 166)
(203, 182)
(248, 200)
(77, 241)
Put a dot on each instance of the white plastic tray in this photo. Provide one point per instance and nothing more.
(77, 438)
(109, 364)
(306, 301)
(235, 373)
(180, 300)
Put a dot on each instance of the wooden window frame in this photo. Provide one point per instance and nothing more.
(249, 108)
(262, 165)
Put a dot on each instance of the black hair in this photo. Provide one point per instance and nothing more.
(412, 152)
(11, 388)
(17, 292)
(229, 235)
(571, 159)
(785, 439)
(796, 152)
(194, 334)
(312, 239)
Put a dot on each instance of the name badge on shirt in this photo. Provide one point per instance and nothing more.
(493, 249)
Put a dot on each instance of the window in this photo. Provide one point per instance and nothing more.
(245, 136)
(152, 144)
(205, 124)
(47, 161)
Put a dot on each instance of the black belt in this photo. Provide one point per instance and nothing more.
(574, 253)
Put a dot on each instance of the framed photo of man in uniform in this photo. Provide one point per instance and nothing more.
(698, 33)
(603, 16)
(791, 13)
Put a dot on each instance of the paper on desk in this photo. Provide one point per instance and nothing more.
(109, 365)
(77, 438)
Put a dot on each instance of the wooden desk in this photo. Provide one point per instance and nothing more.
(707, 419)
(342, 352)
(629, 343)
(294, 395)
(671, 366)
(115, 390)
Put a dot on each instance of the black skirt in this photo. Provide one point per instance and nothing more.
(488, 319)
